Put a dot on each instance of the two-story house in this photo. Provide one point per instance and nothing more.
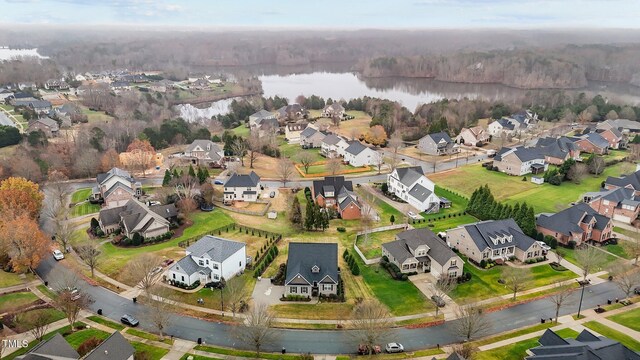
(311, 137)
(411, 185)
(420, 250)
(335, 109)
(613, 136)
(631, 181)
(437, 144)
(209, 259)
(592, 143)
(623, 125)
(291, 112)
(312, 269)
(358, 155)
(620, 204)
(520, 161)
(115, 188)
(579, 223)
(475, 136)
(205, 152)
(333, 146)
(292, 131)
(242, 188)
(256, 118)
(503, 125)
(45, 124)
(336, 193)
(136, 217)
(557, 150)
(497, 240)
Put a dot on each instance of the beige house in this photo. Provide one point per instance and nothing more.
(473, 136)
(519, 161)
(136, 217)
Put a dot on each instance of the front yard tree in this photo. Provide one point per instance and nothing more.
(394, 144)
(285, 170)
(310, 216)
(71, 303)
(141, 271)
(596, 164)
(516, 279)
(306, 159)
(257, 330)
(559, 298)
(142, 155)
(333, 166)
(38, 321)
(626, 277)
(239, 149)
(22, 241)
(166, 180)
(158, 312)
(470, 321)
(373, 322)
(376, 136)
(89, 254)
(235, 296)
(632, 246)
(589, 259)
(442, 288)
(378, 161)
(254, 145)
(19, 195)
(392, 219)
(295, 215)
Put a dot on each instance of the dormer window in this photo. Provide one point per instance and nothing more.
(315, 269)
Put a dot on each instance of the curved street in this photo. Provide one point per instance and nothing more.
(326, 341)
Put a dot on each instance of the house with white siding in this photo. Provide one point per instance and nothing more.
(242, 188)
(411, 185)
(356, 154)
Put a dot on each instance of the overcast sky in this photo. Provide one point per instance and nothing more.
(328, 13)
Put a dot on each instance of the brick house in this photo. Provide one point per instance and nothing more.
(613, 136)
(45, 124)
(336, 193)
(115, 188)
(557, 150)
(631, 181)
(592, 143)
(312, 269)
(520, 161)
(619, 204)
(579, 223)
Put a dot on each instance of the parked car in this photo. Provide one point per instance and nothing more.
(366, 349)
(438, 300)
(129, 320)
(58, 255)
(272, 194)
(544, 246)
(167, 262)
(218, 182)
(637, 290)
(75, 293)
(413, 215)
(394, 348)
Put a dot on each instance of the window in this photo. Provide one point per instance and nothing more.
(304, 290)
(183, 278)
(453, 262)
(216, 277)
(215, 266)
(207, 261)
(240, 263)
(293, 290)
(174, 276)
(200, 262)
(327, 287)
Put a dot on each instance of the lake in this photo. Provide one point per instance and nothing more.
(8, 54)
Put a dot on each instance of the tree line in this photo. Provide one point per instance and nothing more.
(483, 205)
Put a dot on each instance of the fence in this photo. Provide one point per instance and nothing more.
(221, 205)
(232, 227)
(383, 228)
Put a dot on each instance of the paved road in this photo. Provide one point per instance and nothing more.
(325, 341)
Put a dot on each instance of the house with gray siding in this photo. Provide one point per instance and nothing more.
(312, 269)
(437, 144)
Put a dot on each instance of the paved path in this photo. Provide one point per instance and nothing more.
(402, 207)
(19, 287)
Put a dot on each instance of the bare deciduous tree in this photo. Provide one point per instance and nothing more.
(306, 159)
(442, 288)
(235, 296)
(141, 271)
(89, 254)
(577, 172)
(333, 166)
(239, 148)
(470, 321)
(516, 279)
(373, 322)
(158, 311)
(394, 144)
(559, 255)
(378, 160)
(257, 330)
(70, 300)
(285, 170)
(589, 259)
(559, 298)
(632, 246)
(38, 321)
(626, 277)
(254, 146)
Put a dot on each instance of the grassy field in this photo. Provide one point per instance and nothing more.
(383, 209)
(293, 152)
(93, 116)
(85, 208)
(612, 334)
(14, 301)
(9, 279)
(212, 297)
(322, 168)
(458, 204)
(617, 250)
(80, 195)
(197, 357)
(484, 283)
(371, 247)
(77, 338)
(511, 189)
(446, 223)
(314, 311)
(629, 233)
(244, 353)
(570, 255)
(630, 319)
(22, 325)
(518, 350)
(148, 336)
(154, 352)
(241, 130)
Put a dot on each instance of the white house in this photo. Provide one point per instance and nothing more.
(410, 185)
(359, 155)
(292, 132)
(333, 146)
(242, 188)
(209, 259)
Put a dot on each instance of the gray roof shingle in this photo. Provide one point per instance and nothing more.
(631, 180)
(218, 249)
(568, 220)
(409, 175)
(419, 192)
(115, 347)
(586, 346)
(237, 180)
(355, 148)
(411, 239)
(482, 232)
(304, 256)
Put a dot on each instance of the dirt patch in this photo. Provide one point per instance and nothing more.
(264, 166)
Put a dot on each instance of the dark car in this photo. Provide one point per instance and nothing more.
(218, 182)
(438, 301)
(129, 320)
(637, 290)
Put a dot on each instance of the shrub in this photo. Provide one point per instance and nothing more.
(137, 239)
(384, 188)
(99, 232)
(88, 345)
(341, 229)
(483, 264)
(571, 244)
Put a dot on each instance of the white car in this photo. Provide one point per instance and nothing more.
(413, 215)
(544, 246)
(58, 255)
(394, 348)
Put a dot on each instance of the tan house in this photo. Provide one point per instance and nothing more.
(579, 223)
(497, 240)
(475, 136)
(292, 132)
(136, 217)
(333, 110)
(420, 250)
(519, 161)
(115, 188)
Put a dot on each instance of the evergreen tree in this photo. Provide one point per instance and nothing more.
(295, 215)
(515, 211)
(325, 220)
(318, 217)
(530, 222)
(392, 219)
(167, 178)
(202, 174)
(309, 219)
(506, 212)
(192, 172)
(175, 174)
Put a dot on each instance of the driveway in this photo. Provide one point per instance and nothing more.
(267, 294)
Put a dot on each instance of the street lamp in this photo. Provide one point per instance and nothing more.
(583, 284)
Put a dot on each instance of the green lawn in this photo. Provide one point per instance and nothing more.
(45, 290)
(80, 195)
(33, 343)
(570, 255)
(114, 258)
(241, 130)
(54, 315)
(154, 352)
(484, 283)
(511, 189)
(518, 350)
(612, 334)
(85, 208)
(197, 357)
(293, 151)
(458, 204)
(322, 168)
(402, 297)
(383, 209)
(9, 279)
(244, 353)
(14, 301)
(105, 322)
(629, 233)
(617, 250)
(77, 338)
(148, 336)
(446, 223)
(371, 247)
(630, 319)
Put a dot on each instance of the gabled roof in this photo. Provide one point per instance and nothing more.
(556, 148)
(46, 121)
(586, 346)
(595, 139)
(409, 175)
(631, 180)
(506, 124)
(218, 249)
(101, 178)
(522, 153)
(624, 124)
(337, 183)
(262, 114)
(303, 257)
(618, 196)
(482, 232)
(186, 265)
(131, 215)
(237, 180)
(116, 186)
(411, 239)
(332, 139)
(297, 126)
(356, 148)
(335, 106)
(115, 347)
(308, 132)
(568, 221)
(166, 211)
(420, 192)
(57, 346)
(437, 137)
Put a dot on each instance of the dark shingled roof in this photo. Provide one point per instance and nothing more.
(115, 347)
(482, 232)
(567, 221)
(585, 347)
(594, 138)
(618, 196)
(556, 148)
(186, 265)
(409, 175)
(419, 192)
(237, 180)
(337, 183)
(523, 153)
(309, 131)
(166, 211)
(57, 346)
(411, 239)
(506, 124)
(355, 148)
(436, 137)
(262, 114)
(332, 139)
(218, 249)
(632, 181)
(304, 256)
